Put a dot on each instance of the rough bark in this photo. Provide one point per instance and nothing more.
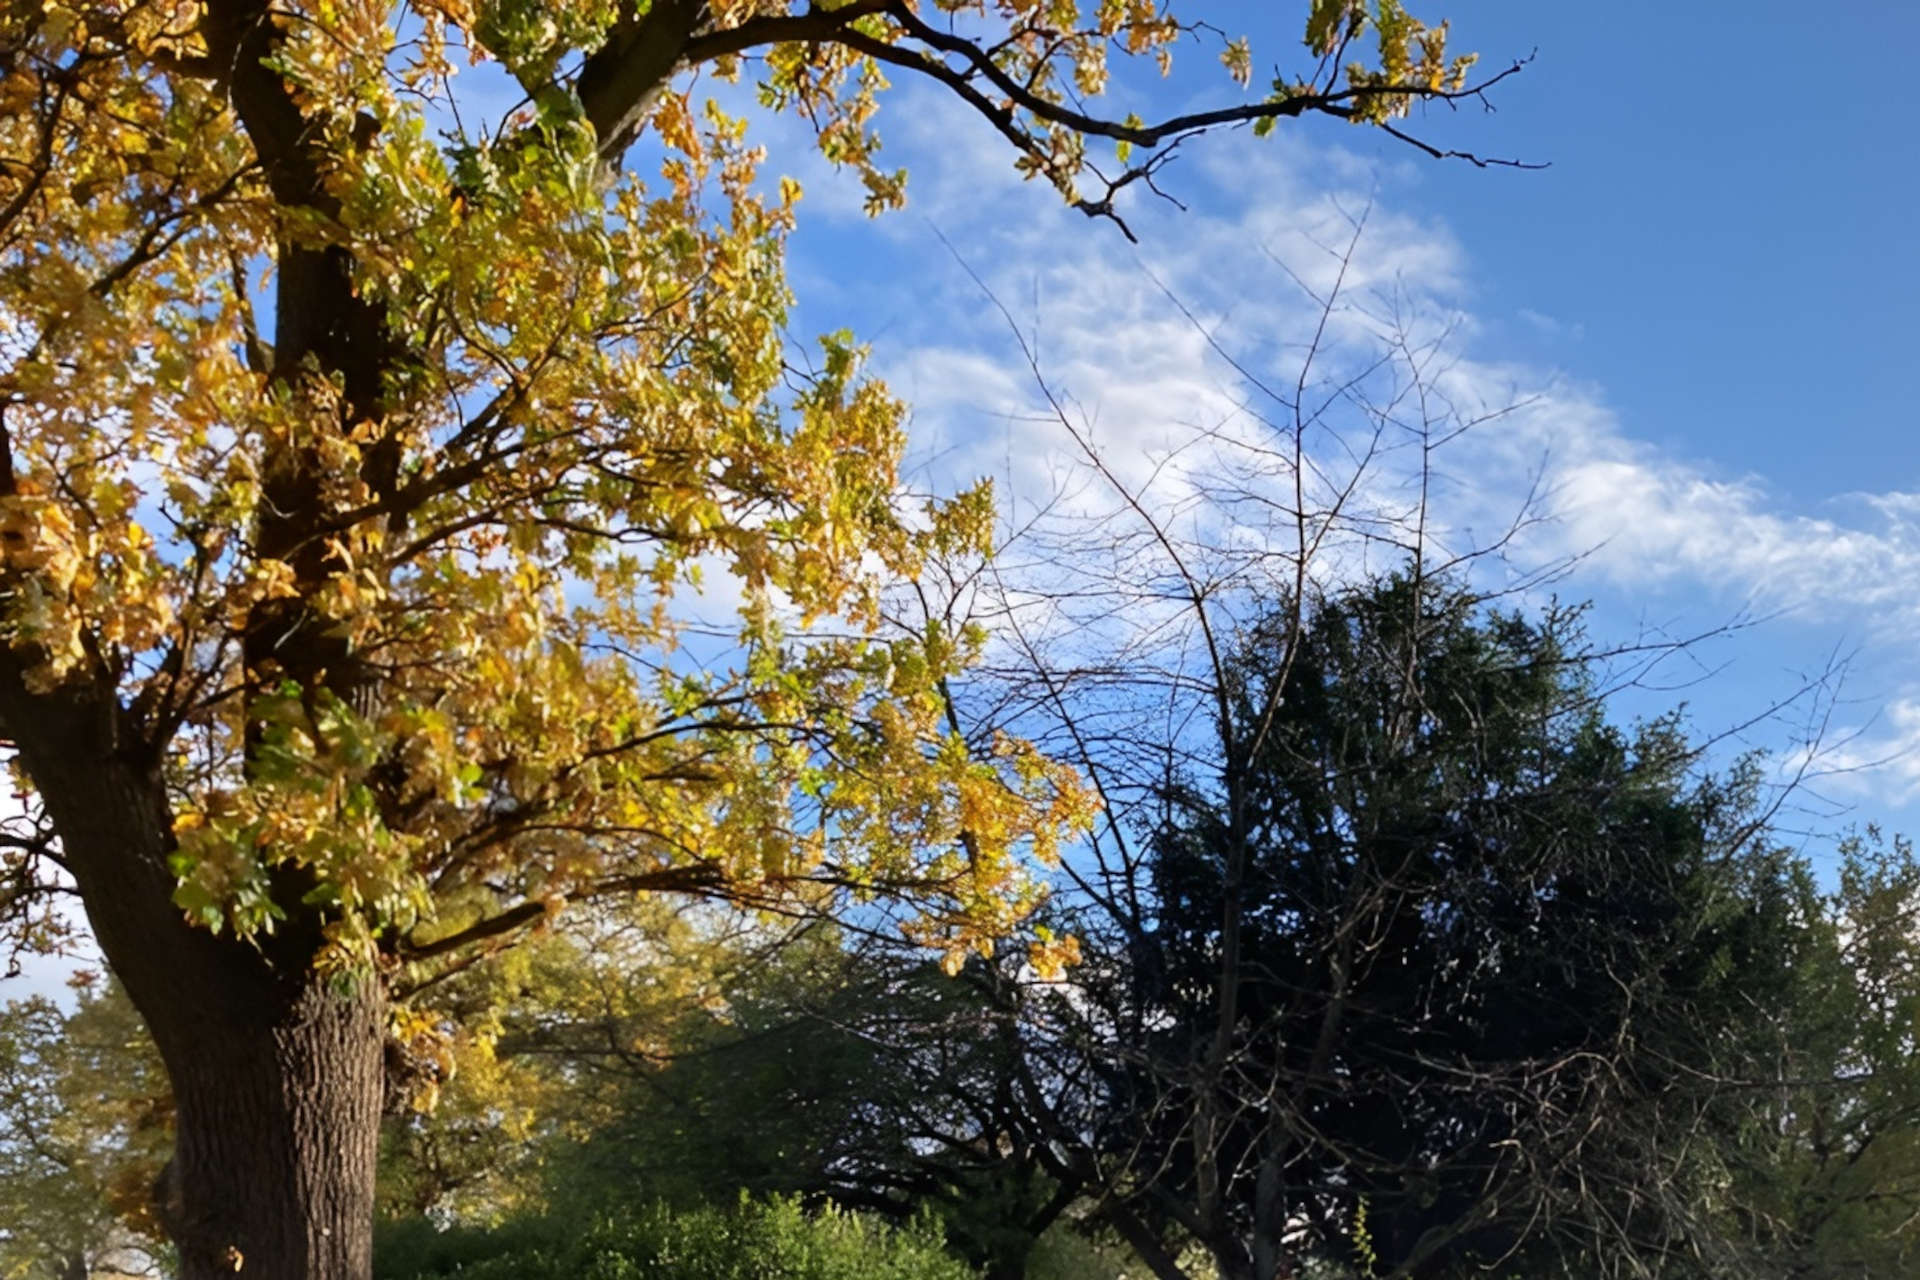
(273, 1168)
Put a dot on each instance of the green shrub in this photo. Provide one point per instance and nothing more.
(771, 1240)
(1065, 1254)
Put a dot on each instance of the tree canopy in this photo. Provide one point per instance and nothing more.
(537, 772)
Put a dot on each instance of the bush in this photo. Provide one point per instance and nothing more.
(772, 1240)
(1065, 1254)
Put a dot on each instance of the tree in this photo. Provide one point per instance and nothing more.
(342, 639)
(483, 1086)
(1819, 1109)
(84, 1123)
(1128, 599)
(1483, 935)
(856, 1074)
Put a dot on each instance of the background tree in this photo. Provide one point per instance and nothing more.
(844, 1070)
(85, 1121)
(1822, 1171)
(1479, 927)
(488, 1084)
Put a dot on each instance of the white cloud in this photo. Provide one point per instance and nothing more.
(1698, 538)
(1877, 759)
(1549, 327)
(1265, 231)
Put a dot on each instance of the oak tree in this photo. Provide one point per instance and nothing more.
(357, 452)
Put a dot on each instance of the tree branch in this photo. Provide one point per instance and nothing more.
(619, 81)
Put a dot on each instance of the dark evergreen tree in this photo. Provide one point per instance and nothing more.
(1430, 977)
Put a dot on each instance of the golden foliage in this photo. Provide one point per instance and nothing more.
(584, 409)
(593, 409)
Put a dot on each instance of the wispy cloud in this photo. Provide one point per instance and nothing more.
(1690, 540)
(1875, 759)
(1261, 238)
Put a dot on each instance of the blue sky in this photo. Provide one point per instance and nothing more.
(1729, 219)
(1712, 293)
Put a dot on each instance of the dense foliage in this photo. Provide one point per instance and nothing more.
(754, 1240)
(85, 1120)
(1478, 933)
(857, 1075)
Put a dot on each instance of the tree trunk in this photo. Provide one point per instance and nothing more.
(1145, 1244)
(278, 1125)
(1270, 1260)
(277, 1071)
